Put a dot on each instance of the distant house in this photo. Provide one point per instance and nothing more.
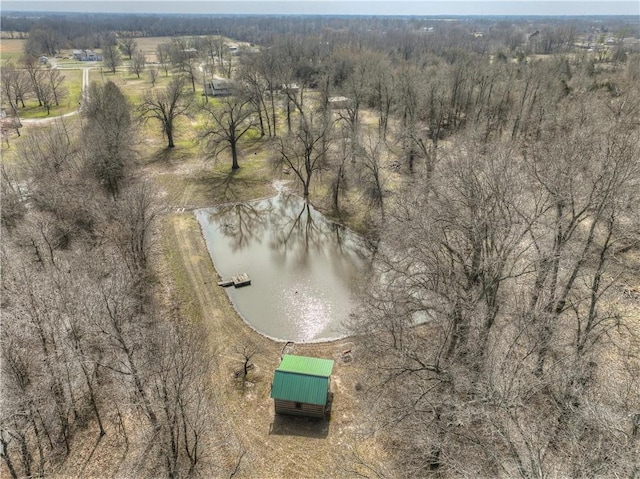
(190, 52)
(86, 56)
(301, 386)
(339, 102)
(292, 88)
(218, 87)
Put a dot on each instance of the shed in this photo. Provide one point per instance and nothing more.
(339, 102)
(301, 386)
(218, 87)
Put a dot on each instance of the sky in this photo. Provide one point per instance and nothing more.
(336, 7)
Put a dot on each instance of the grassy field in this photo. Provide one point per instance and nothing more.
(132, 86)
(69, 103)
(11, 49)
(149, 45)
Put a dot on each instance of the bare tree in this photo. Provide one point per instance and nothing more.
(109, 134)
(183, 397)
(15, 85)
(127, 44)
(356, 88)
(43, 39)
(185, 60)
(267, 65)
(153, 75)
(8, 125)
(209, 46)
(121, 328)
(163, 54)
(13, 205)
(229, 120)
(134, 215)
(372, 174)
(36, 76)
(338, 185)
(51, 159)
(584, 209)
(138, 62)
(383, 85)
(491, 294)
(55, 89)
(304, 150)
(111, 57)
(256, 89)
(247, 352)
(166, 105)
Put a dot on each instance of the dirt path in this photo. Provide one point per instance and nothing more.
(270, 446)
(50, 119)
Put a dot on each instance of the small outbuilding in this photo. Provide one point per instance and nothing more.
(339, 102)
(301, 386)
(219, 87)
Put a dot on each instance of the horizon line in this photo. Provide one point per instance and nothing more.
(438, 8)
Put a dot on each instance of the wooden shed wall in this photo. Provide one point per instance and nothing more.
(303, 409)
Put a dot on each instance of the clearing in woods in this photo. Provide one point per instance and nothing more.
(274, 446)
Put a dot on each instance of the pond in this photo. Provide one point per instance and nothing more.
(303, 267)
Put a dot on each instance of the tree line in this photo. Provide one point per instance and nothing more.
(49, 32)
(83, 344)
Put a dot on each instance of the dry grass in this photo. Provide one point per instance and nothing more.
(274, 446)
(149, 46)
(11, 49)
(269, 446)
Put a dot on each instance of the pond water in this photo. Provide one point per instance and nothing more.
(303, 268)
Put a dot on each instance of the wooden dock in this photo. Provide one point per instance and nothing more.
(241, 280)
(237, 281)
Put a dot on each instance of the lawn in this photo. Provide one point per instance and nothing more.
(68, 104)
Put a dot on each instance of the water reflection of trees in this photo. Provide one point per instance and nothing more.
(294, 226)
(296, 231)
(242, 223)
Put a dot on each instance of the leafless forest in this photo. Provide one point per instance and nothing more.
(494, 164)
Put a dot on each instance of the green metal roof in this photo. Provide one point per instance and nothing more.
(299, 388)
(302, 379)
(306, 365)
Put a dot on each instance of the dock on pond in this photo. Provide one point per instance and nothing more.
(237, 281)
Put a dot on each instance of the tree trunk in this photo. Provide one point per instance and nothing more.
(273, 113)
(234, 156)
(169, 131)
(262, 132)
(7, 458)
